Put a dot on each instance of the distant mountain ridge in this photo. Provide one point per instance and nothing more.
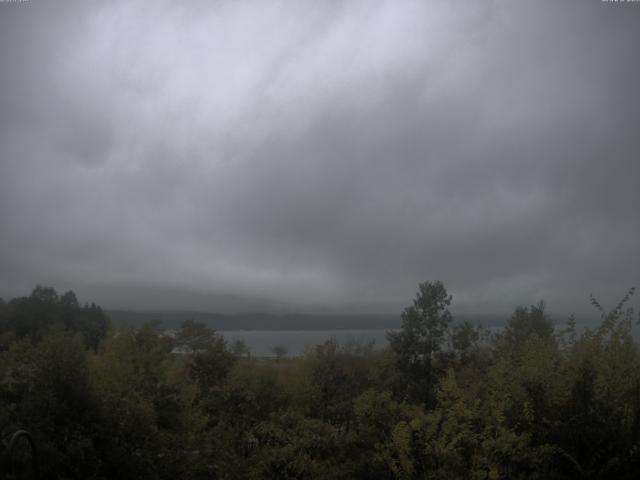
(288, 321)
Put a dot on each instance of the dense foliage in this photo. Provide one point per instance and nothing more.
(444, 400)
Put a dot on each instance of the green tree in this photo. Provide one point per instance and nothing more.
(33, 316)
(46, 389)
(193, 336)
(208, 358)
(418, 345)
(241, 349)
(146, 414)
(337, 376)
(466, 342)
(524, 324)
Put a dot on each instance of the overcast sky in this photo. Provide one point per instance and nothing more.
(320, 156)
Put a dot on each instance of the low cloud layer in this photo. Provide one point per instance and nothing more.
(320, 156)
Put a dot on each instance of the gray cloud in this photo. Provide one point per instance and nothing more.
(320, 156)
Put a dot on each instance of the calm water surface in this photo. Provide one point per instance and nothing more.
(262, 342)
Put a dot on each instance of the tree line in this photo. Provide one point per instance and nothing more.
(444, 400)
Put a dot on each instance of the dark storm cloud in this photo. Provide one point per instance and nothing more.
(320, 155)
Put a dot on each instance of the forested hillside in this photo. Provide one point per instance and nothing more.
(444, 400)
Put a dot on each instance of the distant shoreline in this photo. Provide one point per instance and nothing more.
(303, 322)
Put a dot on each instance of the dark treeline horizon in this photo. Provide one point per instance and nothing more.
(301, 320)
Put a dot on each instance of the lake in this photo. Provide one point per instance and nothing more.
(261, 342)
